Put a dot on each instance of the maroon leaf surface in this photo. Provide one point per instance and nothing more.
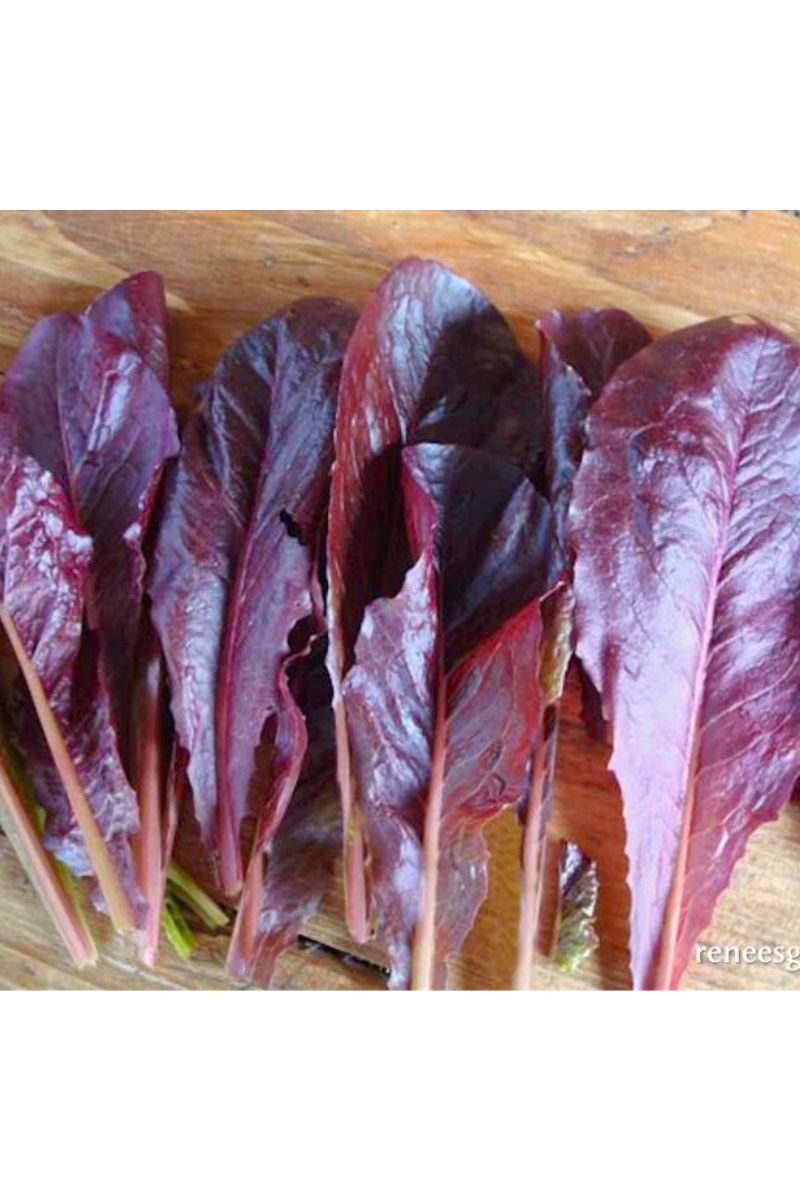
(234, 588)
(686, 529)
(87, 398)
(291, 870)
(579, 353)
(87, 726)
(430, 360)
(45, 559)
(443, 698)
(136, 311)
(20, 827)
(45, 562)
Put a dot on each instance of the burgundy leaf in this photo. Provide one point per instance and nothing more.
(443, 700)
(234, 588)
(579, 353)
(53, 890)
(45, 560)
(136, 311)
(85, 398)
(431, 360)
(86, 404)
(390, 694)
(686, 529)
(88, 729)
(291, 870)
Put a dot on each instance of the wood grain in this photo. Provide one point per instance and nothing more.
(224, 271)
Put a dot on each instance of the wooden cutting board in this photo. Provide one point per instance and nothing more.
(225, 271)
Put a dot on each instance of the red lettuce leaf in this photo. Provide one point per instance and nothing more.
(88, 406)
(443, 698)
(54, 891)
(136, 311)
(87, 726)
(579, 353)
(234, 587)
(45, 562)
(431, 360)
(686, 529)
(45, 559)
(86, 399)
(290, 871)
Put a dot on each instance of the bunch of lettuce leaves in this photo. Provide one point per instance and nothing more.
(335, 616)
(86, 426)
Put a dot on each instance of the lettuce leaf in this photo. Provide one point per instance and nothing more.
(443, 699)
(86, 400)
(430, 360)
(685, 524)
(235, 590)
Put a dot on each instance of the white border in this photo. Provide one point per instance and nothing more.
(420, 105)
(397, 1096)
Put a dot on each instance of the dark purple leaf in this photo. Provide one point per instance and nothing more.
(443, 699)
(291, 870)
(45, 562)
(136, 311)
(88, 729)
(686, 528)
(85, 398)
(45, 559)
(579, 353)
(431, 360)
(57, 897)
(87, 406)
(234, 587)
